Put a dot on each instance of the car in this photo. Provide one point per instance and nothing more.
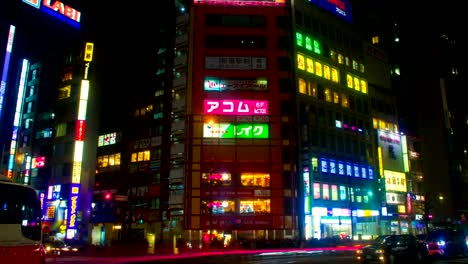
(446, 243)
(404, 248)
(58, 247)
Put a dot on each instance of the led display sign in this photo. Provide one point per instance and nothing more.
(241, 2)
(216, 84)
(395, 181)
(73, 210)
(39, 162)
(340, 8)
(236, 107)
(391, 146)
(56, 8)
(228, 130)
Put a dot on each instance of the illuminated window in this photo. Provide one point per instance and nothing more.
(334, 193)
(217, 179)
(313, 89)
(332, 167)
(357, 84)
(324, 165)
(302, 86)
(346, 61)
(363, 86)
(317, 47)
(317, 191)
(328, 97)
(341, 170)
(255, 179)
(342, 193)
(326, 191)
(366, 199)
(310, 65)
(314, 164)
(300, 62)
(358, 198)
(140, 156)
(349, 80)
(258, 206)
(299, 39)
(223, 207)
(340, 59)
(334, 75)
(326, 72)
(133, 157)
(111, 160)
(344, 101)
(61, 130)
(333, 55)
(117, 159)
(362, 68)
(318, 68)
(336, 98)
(308, 43)
(355, 65)
(375, 39)
(64, 92)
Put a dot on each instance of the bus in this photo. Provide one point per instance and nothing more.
(20, 224)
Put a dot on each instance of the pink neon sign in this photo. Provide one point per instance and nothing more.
(236, 107)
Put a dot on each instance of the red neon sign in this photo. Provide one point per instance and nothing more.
(80, 130)
(236, 107)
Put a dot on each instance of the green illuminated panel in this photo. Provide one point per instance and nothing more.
(227, 130)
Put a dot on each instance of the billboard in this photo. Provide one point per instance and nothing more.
(228, 130)
(392, 155)
(395, 181)
(340, 8)
(220, 84)
(236, 107)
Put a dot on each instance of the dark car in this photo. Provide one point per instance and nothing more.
(446, 243)
(393, 249)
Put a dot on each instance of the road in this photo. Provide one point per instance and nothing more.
(283, 257)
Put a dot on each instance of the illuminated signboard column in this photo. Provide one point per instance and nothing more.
(73, 204)
(6, 64)
(17, 119)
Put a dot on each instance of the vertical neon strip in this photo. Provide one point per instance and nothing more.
(17, 120)
(27, 169)
(379, 153)
(80, 134)
(6, 65)
(404, 150)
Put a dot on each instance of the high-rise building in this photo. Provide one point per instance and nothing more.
(258, 122)
(48, 125)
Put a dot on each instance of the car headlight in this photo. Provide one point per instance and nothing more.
(359, 251)
(441, 243)
(74, 249)
(47, 248)
(65, 249)
(379, 251)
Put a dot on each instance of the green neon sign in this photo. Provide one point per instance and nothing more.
(228, 130)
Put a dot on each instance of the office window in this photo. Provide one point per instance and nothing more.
(258, 206)
(302, 86)
(342, 193)
(326, 191)
(317, 190)
(334, 192)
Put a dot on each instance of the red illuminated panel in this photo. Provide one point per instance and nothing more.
(39, 162)
(80, 130)
(236, 107)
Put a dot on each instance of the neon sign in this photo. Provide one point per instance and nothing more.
(215, 84)
(228, 130)
(340, 8)
(241, 2)
(6, 64)
(55, 8)
(73, 210)
(236, 107)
